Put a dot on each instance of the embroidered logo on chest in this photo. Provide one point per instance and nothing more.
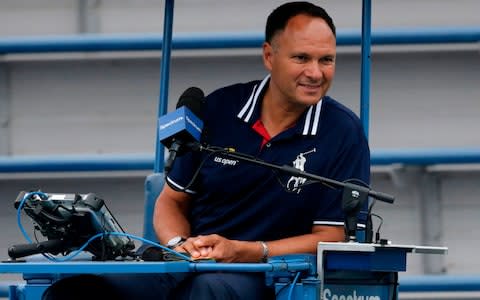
(225, 161)
(294, 183)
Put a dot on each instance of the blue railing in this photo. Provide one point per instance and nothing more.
(439, 283)
(143, 42)
(407, 284)
(76, 163)
(132, 162)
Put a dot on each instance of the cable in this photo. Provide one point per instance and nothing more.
(377, 233)
(197, 171)
(99, 235)
(20, 226)
(307, 182)
(19, 209)
(283, 185)
(292, 286)
(73, 254)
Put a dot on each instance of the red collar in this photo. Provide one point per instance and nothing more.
(262, 131)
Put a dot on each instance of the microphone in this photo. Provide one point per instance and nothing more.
(183, 126)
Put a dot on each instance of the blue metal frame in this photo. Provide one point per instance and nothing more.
(439, 283)
(164, 78)
(341, 269)
(82, 267)
(136, 162)
(226, 40)
(365, 66)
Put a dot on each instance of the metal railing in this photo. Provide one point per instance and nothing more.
(137, 162)
(439, 283)
(232, 40)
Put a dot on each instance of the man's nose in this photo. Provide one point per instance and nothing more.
(314, 70)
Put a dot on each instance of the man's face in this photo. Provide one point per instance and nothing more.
(301, 60)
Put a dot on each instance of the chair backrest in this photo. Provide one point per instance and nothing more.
(153, 186)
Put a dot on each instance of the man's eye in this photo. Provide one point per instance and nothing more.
(328, 60)
(300, 57)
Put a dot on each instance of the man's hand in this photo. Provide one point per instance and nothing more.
(212, 246)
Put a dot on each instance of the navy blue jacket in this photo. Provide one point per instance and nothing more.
(244, 201)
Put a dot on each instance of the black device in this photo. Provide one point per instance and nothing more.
(68, 221)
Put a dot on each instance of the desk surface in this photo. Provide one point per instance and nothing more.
(282, 263)
(78, 267)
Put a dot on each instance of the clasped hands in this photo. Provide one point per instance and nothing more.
(211, 246)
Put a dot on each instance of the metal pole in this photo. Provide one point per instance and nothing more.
(431, 220)
(5, 111)
(365, 68)
(164, 78)
(88, 17)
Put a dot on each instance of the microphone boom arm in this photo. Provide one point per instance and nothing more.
(354, 195)
(298, 173)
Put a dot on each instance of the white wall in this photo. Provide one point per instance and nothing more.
(76, 106)
(40, 17)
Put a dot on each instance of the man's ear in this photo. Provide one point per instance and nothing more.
(267, 55)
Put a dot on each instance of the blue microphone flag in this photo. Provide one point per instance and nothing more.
(179, 124)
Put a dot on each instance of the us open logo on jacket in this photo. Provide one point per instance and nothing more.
(225, 161)
(294, 183)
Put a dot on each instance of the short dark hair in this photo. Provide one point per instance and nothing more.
(279, 17)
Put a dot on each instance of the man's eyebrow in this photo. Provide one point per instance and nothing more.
(300, 53)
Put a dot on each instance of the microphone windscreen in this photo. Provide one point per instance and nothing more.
(192, 98)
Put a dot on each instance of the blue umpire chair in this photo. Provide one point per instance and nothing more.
(338, 270)
(153, 186)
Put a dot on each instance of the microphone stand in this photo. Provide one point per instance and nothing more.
(353, 198)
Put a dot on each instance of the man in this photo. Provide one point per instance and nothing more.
(236, 211)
